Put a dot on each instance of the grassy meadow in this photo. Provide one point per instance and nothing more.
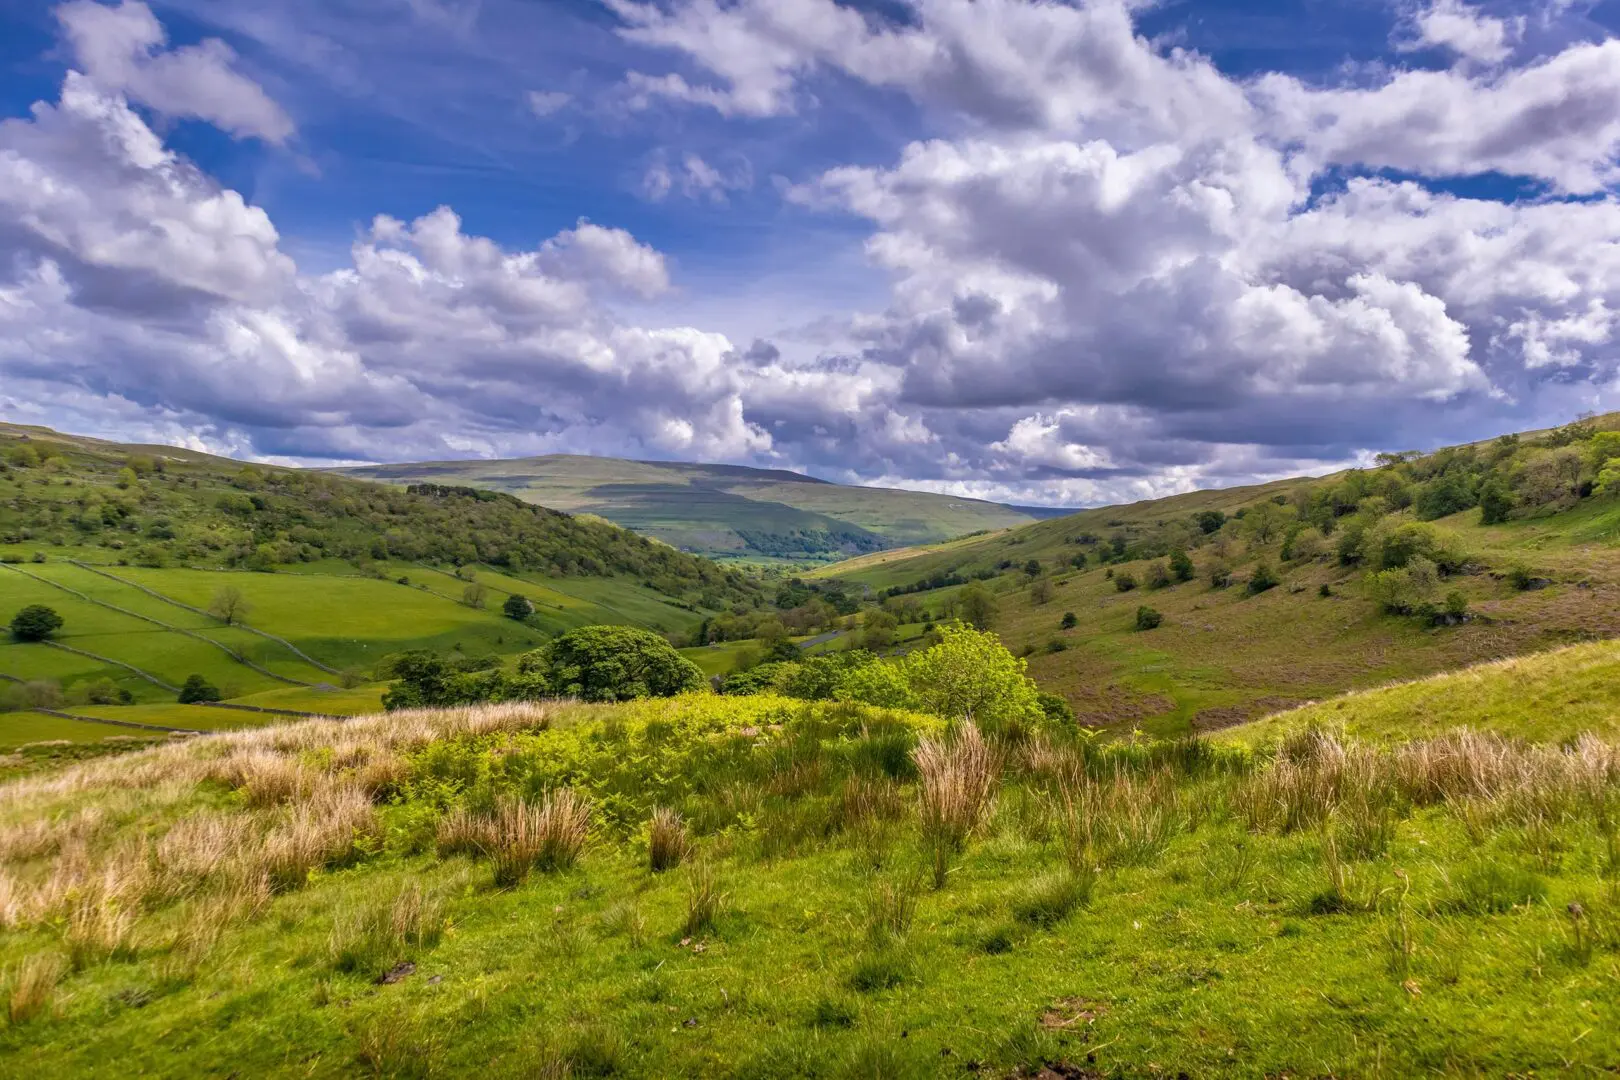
(760, 887)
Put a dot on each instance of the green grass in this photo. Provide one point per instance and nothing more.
(1220, 949)
(1546, 697)
(22, 728)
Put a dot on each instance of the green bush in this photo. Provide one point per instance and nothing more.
(1069, 621)
(1124, 582)
(36, 622)
(1148, 619)
(1181, 566)
(1262, 578)
(198, 689)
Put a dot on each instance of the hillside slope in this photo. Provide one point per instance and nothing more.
(1542, 574)
(722, 510)
(736, 888)
(1552, 696)
(133, 546)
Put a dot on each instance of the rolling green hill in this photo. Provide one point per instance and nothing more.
(132, 546)
(723, 510)
(1547, 573)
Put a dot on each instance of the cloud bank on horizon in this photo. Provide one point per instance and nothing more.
(1020, 249)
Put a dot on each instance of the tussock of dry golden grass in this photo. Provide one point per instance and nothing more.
(958, 774)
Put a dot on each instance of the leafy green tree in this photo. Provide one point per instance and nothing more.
(1209, 521)
(1124, 582)
(1069, 620)
(1147, 618)
(976, 607)
(878, 629)
(517, 607)
(612, 663)
(1032, 568)
(36, 622)
(1404, 590)
(1181, 566)
(1495, 502)
(970, 675)
(229, 606)
(197, 689)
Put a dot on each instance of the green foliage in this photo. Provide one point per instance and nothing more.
(1069, 621)
(1148, 619)
(1124, 582)
(36, 622)
(1209, 521)
(1407, 590)
(1495, 502)
(976, 607)
(1181, 566)
(1261, 578)
(517, 607)
(970, 675)
(196, 689)
(611, 663)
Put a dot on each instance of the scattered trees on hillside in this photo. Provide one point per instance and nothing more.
(36, 622)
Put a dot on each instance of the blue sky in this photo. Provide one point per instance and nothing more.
(1047, 252)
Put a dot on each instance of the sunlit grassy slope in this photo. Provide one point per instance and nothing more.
(1549, 696)
(323, 900)
(1221, 656)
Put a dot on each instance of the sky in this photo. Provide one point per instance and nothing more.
(1038, 251)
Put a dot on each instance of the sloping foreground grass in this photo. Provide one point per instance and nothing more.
(420, 894)
(1545, 697)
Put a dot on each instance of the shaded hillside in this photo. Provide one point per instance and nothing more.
(723, 510)
(1365, 564)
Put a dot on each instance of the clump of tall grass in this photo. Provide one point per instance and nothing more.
(957, 775)
(325, 830)
(667, 842)
(705, 898)
(31, 988)
(549, 835)
(890, 907)
(1126, 819)
(373, 938)
(520, 836)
